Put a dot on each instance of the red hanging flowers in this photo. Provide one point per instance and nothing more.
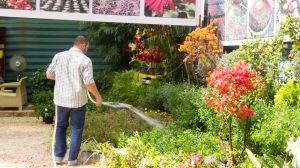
(231, 88)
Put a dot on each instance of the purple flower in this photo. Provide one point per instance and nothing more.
(209, 160)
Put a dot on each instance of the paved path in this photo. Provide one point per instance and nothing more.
(22, 143)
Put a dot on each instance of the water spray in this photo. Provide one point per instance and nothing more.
(138, 112)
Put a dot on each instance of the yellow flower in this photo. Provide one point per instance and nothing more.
(186, 58)
(188, 38)
(208, 65)
(182, 48)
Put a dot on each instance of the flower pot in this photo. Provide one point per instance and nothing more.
(48, 120)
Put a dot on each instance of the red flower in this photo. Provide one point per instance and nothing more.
(262, 51)
(158, 5)
(230, 88)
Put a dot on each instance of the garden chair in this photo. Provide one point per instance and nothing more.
(16, 97)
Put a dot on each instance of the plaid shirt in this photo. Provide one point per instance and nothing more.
(73, 70)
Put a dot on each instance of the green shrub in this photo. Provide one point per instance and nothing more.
(271, 133)
(179, 100)
(288, 95)
(109, 126)
(104, 80)
(39, 82)
(229, 59)
(152, 97)
(43, 103)
(296, 66)
(127, 87)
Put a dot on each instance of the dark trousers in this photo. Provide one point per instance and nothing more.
(77, 116)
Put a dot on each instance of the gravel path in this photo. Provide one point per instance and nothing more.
(22, 143)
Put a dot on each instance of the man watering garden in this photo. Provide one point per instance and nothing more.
(72, 71)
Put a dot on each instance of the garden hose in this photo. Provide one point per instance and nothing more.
(53, 138)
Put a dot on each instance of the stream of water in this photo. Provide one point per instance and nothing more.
(138, 112)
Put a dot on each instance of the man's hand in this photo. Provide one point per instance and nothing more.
(93, 89)
(99, 102)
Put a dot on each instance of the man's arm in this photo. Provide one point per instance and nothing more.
(51, 69)
(50, 77)
(93, 89)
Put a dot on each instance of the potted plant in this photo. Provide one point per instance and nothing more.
(43, 105)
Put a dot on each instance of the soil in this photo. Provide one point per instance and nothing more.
(22, 143)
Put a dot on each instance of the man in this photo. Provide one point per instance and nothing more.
(73, 74)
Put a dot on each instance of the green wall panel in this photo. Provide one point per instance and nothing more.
(38, 40)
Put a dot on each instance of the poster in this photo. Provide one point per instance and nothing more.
(18, 4)
(216, 10)
(236, 20)
(165, 12)
(261, 18)
(117, 7)
(170, 8)
(73, 6)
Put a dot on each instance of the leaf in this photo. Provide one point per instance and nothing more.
(278, 160)
(253, 159)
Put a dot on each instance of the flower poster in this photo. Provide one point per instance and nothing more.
(261, 18)
(18, 4)
(117, 7)
(236, 20)
(170, 8)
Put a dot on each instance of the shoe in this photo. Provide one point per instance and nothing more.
(75, 163)
(59, 160)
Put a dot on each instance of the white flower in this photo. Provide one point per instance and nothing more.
(46, 109)
(293, 147)
(132, 46)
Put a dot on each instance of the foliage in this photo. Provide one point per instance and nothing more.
(39, 82)
(201, 47)
(152, 98)
(274, 129)
(100, 127)
(172, 98)
(127, 86)
(111, 40)
(43, 103)
(292, 28)
(264, 162)
(230, 59)
(104, 80)
(165, 148)
(266, 55)
(288, 95)
(166, 39)
(296, 66)
(292, 149)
